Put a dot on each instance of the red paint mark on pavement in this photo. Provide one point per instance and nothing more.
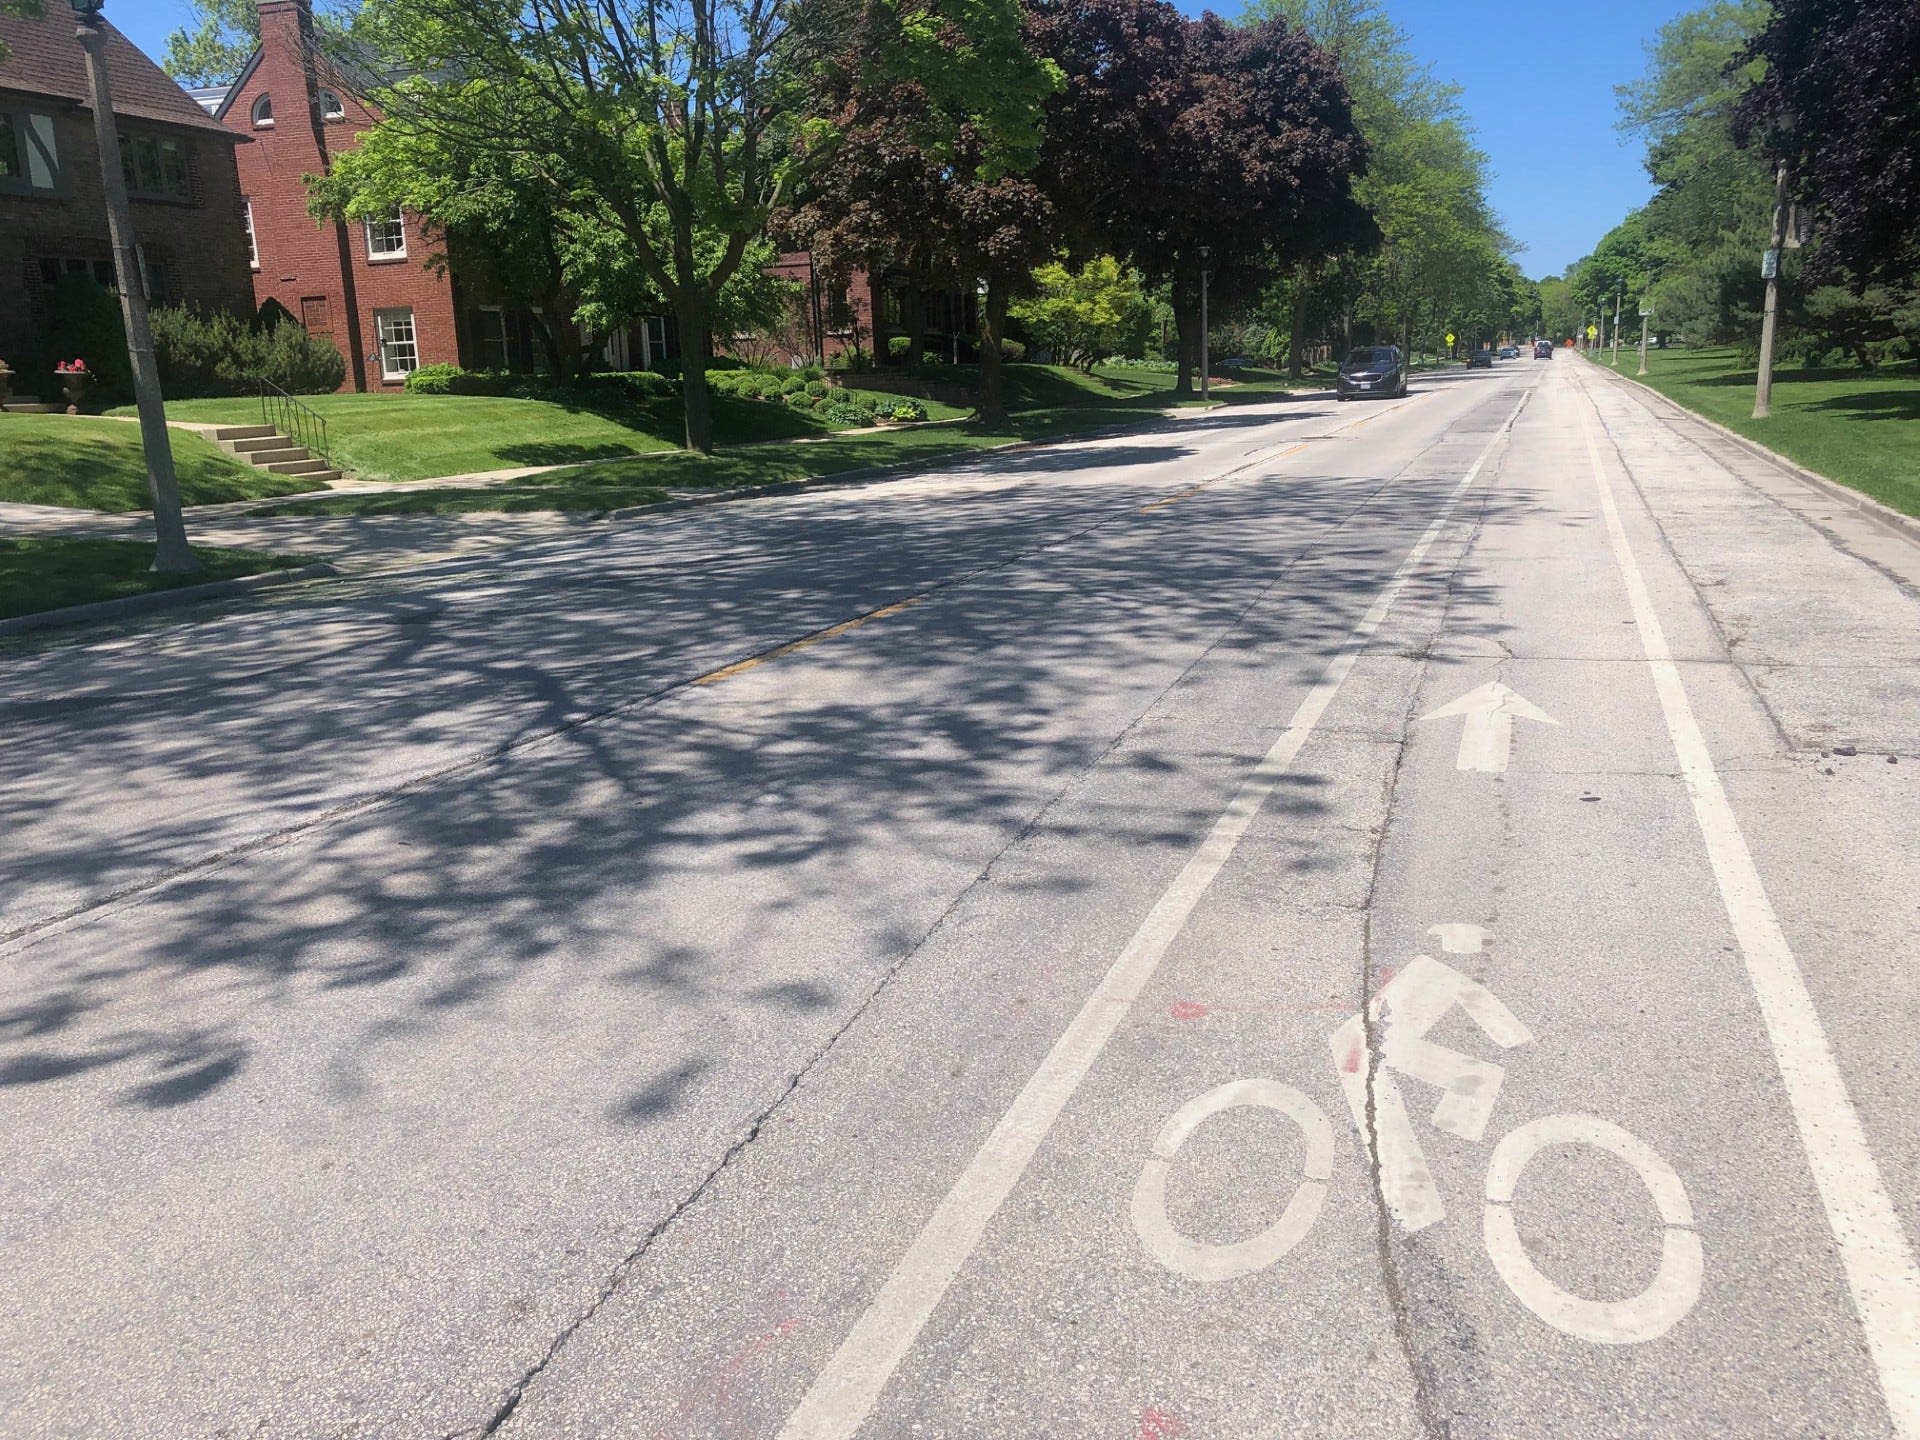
(1350, 1062)
(714, 1395)
(1188, 1010)
(1158, 1424)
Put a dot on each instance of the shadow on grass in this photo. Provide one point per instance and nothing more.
(47, 572)
(1873, 404)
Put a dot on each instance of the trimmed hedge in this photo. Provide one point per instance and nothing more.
(608, 387)
(218, 353)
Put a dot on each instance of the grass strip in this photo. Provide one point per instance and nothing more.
(51, 572)
(647, 479)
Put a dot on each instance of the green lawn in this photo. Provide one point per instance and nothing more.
(421, 437)
(95, 464)
(1858, 427)
(404, 438)
(48, 572)
(644, 479)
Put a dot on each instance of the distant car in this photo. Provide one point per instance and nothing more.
(1373, 370)
(1543, 349)
(1480, 360)
(1509, 352)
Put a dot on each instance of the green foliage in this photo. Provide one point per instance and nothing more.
(1444, 261)
(1083, 314)
(606, 389)
(218, 353)
(220, 34)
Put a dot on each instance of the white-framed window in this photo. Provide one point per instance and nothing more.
(263, 113)
(653, 341)
(387, 238)
(399, 351)
(29, 159)
(330, 106)
(253, 243)
(493, 338)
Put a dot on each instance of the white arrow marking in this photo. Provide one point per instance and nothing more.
(1487, 741)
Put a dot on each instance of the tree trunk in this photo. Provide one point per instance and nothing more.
(991, 409)
(1186, 322)
(1296, 367)
(916, 316)
(695, 345)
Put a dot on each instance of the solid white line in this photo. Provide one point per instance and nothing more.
(843, 1394)
(1879, 1264)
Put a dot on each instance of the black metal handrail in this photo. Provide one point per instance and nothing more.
(301, 424)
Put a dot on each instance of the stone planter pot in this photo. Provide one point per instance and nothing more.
(6, 383)
(74, 384)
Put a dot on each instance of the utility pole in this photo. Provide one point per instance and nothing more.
(1643, 339)
(1619, 294)
(171, 555)
(1770, 268)
(1206, 253)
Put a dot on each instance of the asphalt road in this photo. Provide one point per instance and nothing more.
(1388, 919)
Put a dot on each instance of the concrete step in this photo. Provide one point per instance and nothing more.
(243, 432)
(27, 405)
(322, 479)
(253, 444)
(306, 465)
(270, 458)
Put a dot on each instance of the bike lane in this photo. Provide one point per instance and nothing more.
(1552, 1188)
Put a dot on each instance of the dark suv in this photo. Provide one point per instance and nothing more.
(1373, 370)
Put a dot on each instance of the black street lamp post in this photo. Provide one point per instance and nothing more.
(1206, 254)
(172, 556)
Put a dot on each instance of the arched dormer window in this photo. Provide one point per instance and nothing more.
(263, 113)
(330, 106)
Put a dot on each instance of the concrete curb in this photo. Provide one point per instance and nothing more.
(160, 599)
(1905, 526)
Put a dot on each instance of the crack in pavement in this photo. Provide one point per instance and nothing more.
(1427, 1402)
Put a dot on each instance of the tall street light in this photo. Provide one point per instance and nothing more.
(1619, 294)
(171, 555)
(1206, 254)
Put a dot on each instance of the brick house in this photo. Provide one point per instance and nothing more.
(873, 309)
(182, 184)
(364, 284)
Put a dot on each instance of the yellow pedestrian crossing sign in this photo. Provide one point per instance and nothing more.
(1592, 332)
(1449, 337)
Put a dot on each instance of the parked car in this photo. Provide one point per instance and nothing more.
(1543, 349)
(1377, 370)
(1480, 360)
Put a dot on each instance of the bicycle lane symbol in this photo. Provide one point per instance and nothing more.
(1401, 1016)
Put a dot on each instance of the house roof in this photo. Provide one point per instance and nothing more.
(47, 60)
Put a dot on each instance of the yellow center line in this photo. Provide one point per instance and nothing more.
(726, 672)
(1196, 489)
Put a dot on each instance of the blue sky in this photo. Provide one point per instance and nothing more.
(1536, 77)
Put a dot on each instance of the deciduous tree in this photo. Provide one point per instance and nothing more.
(1838, 99)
